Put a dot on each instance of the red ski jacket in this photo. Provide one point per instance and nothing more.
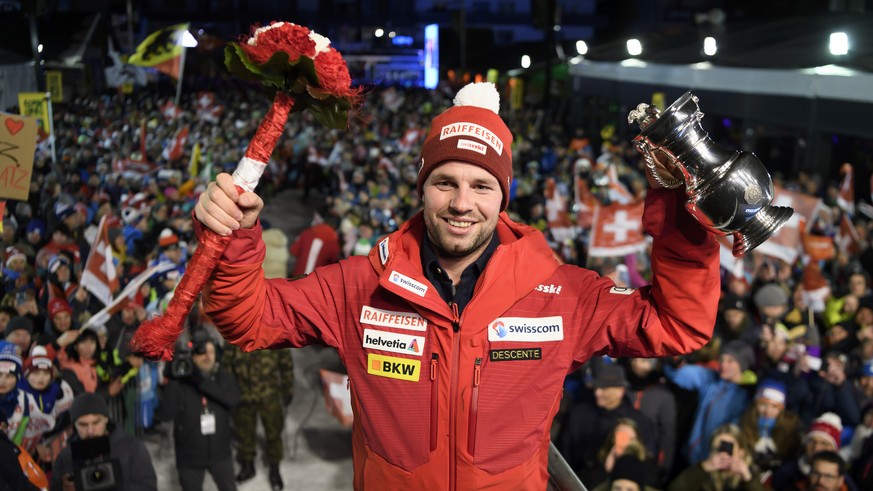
(444, 402)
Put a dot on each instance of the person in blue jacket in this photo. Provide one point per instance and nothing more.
(722, 398)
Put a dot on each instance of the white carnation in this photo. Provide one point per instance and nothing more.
(253, 41)
(321, 42)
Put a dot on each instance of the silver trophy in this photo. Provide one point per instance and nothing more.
(729, 192)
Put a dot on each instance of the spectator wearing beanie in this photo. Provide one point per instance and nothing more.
(773, 431)
(722, 398)
(822, 435)
(629, 473)
(61, 326)
(90, 416)
(734, 320)
(47, 396)
(771, 301)
(12, 399)
(19, 331)
(864, 385)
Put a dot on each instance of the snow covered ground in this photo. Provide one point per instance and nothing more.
(317, 449)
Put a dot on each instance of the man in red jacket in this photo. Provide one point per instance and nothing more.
(458, 329)
(316, 246)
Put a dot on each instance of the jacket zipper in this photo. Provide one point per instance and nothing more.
(434, 400)
(456, 357)
(474, 408)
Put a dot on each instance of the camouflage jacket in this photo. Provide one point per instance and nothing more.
(261, 374)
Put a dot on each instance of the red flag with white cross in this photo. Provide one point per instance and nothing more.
(617, 230)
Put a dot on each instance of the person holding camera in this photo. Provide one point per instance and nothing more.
(727, 468)
(199, 399)
(99, 453)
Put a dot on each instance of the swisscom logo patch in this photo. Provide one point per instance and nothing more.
(526, 329)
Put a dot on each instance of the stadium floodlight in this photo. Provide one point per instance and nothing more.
(709, 46)
(379, 32)
(581, 47)
(525, 61)
(188, 39)
(634, 47)
(839, 43)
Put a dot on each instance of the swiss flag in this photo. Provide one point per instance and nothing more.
(176, 147)
(560, 225)
(207, 108)
(846, 199)
(848, 239)
(617, 230)
(99, 276)
(410, 139)
(170, 110)
(785, 244)
(585, 203)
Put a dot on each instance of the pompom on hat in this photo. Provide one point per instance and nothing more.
(471, 131)
(38, 360)
(13, 254)
(167, 238)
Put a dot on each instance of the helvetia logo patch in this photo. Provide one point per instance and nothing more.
(394, 342)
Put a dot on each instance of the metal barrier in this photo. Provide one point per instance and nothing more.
(561, 476)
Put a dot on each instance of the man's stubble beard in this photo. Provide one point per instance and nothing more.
(440, 242)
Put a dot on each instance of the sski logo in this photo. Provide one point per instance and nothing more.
(555, 290)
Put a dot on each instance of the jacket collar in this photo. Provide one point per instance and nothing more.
(521, 262)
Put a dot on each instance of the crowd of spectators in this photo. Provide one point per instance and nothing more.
(781, 398)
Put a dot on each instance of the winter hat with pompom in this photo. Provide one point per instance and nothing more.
(471, 131)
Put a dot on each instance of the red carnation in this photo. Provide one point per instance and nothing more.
(290, 38)
(333, 74)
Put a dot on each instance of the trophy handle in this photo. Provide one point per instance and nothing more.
(657, 168)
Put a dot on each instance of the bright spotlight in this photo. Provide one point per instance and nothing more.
(839, 43)
(581, 47)
(525, 61)
(634, 47)
(188, 40)
(709, 46)
(392, 34)
(39, 48)
(379, 32)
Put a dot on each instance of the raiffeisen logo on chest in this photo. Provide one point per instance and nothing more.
(526, 329)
